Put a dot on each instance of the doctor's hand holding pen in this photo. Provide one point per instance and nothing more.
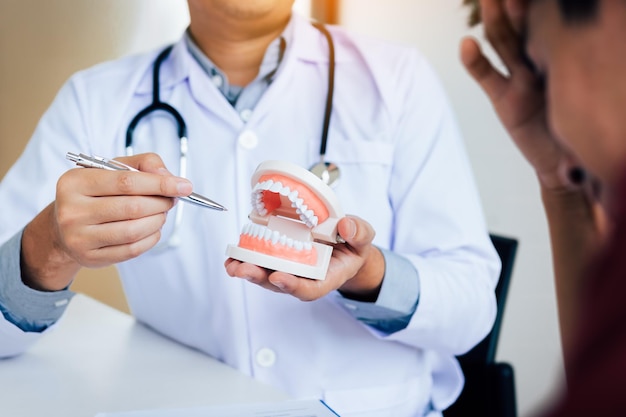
(356, 268)
(99, 218)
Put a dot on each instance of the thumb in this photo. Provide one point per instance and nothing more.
(355, 231)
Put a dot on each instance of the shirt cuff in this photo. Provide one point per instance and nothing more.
(28, 309)
(397, 300)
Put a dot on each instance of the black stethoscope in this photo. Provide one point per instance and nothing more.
(327, 171)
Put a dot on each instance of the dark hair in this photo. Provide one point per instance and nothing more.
(579, 11)
(572, 11)
(474, 17)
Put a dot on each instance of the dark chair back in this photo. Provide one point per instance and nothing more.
(489, 389)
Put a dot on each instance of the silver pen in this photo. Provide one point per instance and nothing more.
(93, 161)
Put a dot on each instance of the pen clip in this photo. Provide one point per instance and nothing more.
(112, 163)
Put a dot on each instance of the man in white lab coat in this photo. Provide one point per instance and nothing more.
(411, 287)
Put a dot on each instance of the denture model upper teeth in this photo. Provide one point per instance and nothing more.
(307, 216)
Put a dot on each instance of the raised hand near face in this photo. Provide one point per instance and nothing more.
(518, 97)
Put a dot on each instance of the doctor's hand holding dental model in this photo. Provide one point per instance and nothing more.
(248, 82)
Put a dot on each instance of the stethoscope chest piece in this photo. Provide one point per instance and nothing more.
(328, 172)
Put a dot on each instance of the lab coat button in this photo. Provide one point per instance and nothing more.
(217, 80)
(265, 357)
(245, 114)
(248, 139)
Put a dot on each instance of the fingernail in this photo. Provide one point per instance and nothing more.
(279, 285)
(183, 186)
(351, 229)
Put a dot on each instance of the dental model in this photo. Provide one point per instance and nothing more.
(293, 222)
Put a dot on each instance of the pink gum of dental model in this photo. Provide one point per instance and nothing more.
(293, 222)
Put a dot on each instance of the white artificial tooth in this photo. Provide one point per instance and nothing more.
(293, 195)
(308, 224)
(263, 212)
(298, 245)
(308, 246)
(267, 234)
(309, 213)
(283, 239)
(299, 202)
(276, 187)
(267, 184)
(302, 209)
(314, 220)
(285, 191)
(289, 242)
(257, 187)
(275, 237)
(258, 230)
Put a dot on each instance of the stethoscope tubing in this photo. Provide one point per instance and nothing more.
(157, 104)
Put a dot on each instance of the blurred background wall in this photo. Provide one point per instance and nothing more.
(42, 43)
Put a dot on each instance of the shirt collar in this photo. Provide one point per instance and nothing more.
(271, 60)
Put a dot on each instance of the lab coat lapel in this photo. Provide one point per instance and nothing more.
(181, 67)
(307, 44)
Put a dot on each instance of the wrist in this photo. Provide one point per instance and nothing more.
(44, 265)
(366, 284)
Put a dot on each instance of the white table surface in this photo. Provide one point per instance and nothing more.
(99, 359)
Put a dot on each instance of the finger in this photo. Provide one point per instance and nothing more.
(501, 34)
(108, 255)
(97, 182)
(125, 232)
(356, 232)
(302, 288)
(479, 67)
(245, 270)
(118, 208)
(516, 10)
(251, 273)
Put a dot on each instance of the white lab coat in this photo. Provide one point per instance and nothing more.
(404, 170)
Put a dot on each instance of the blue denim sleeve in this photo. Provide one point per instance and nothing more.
(28, 309)
(397, 300)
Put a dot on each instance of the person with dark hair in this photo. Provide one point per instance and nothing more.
(562, 102)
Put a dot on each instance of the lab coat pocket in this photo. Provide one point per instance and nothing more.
(344, 151)
(409, 399)
(363, 165)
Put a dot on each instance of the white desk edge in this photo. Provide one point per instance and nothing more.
(99, 359)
